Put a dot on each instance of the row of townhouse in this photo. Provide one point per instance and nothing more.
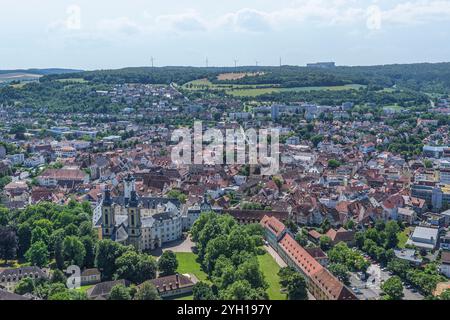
(321, 283)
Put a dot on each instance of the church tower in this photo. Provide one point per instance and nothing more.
(134, 219)
(108, 218)
(205, 206)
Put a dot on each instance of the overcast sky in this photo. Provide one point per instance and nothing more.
(96, 34)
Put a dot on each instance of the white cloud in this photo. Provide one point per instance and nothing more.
(123, 25)
(246, 20)
(184, 22)
(416, 12)
(302, 13)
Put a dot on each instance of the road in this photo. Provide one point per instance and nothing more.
(370, 289)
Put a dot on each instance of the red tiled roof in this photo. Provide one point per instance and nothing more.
(321, 277)
(273, 224)
(64, 174)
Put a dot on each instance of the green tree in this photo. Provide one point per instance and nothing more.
(302, 239)
(39, 234)
(38, 254)
(135, 267)
(107, 252)
(8, 243)
(445, 295)
(26, 285)
(167, 263)
(4, 216)
(296, 287)
(119, 292)
(242, 290)
(392, 229)
(147, 291)
(428, 163)
(325, 242)
(333, 164)
(393, 288)
(89, 248)
(340, 271)
(316, 140)
(73, 251)
(202, 291)
(58, 277)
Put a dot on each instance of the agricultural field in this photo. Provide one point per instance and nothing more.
(260, 91)
(73, 80)
(18, 76)
(241, 90)
(237, 75)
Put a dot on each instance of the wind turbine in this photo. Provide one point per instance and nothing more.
(235, 63)
(152, 60)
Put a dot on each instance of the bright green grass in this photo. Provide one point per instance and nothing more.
(183, 297)
(187, 264)
(270, 270)
(403, 237)
(86, 288)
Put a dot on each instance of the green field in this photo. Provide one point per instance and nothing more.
(260, 91)
(403, 237)
(241, 90)
(187, 264)
(270, 270)
(75, 80)
(85, 288)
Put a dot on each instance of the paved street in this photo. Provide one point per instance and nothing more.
(370, 288)
(184, 245)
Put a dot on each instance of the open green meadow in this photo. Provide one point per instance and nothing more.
(241, 90)
(270, 270)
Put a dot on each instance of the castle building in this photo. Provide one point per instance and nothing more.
(144, 222)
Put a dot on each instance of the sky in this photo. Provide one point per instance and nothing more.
(100, 34)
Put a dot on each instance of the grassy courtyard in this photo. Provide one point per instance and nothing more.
(270, 270)
(187, 264)
(403, 236)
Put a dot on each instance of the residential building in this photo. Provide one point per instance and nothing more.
(102, 290)
(90, 276)
(445, 263)
(174, 285)
(424, 238)
(66, 177)
(9, 278)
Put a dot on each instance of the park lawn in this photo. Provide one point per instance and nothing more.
(403, 236)
(85, 288)
(187, 264)
(270, 270)
(182, 297)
